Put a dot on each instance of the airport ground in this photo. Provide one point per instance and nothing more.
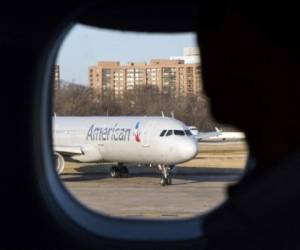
(198, 185)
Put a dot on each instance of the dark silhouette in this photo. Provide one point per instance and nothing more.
(251, 75)
(250, 70)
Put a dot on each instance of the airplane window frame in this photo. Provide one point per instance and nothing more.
(66, 210)
(179, 131)
(169, 133)
(188, 132)
(163, 133)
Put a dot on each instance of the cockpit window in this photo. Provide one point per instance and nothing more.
(188, 132)
(170, 132)
(179, 132)
(163, 132)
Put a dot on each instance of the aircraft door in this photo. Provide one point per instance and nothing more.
(147, 132)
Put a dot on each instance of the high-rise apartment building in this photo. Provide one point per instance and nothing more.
(166, 76)
(190, 55)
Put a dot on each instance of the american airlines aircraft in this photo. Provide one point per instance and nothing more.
(152, 141)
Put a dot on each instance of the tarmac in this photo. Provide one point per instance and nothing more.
(197, 186)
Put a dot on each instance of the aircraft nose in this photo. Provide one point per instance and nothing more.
(189, 150)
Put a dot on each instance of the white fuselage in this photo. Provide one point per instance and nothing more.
(226, 136)
(123, 139)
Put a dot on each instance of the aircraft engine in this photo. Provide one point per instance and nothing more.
(59, 162)
(90, 154)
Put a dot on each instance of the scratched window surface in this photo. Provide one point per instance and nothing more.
(132, 132)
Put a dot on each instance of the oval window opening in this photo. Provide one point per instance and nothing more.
(132, 133)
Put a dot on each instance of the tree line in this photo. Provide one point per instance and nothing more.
(78, 100)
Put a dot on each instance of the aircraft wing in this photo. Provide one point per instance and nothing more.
(72, 150)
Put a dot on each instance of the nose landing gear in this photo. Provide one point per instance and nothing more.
(165, 181)
(166, 174)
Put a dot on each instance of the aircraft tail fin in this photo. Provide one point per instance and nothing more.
(218, 130)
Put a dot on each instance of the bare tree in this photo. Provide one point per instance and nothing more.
(78, 100)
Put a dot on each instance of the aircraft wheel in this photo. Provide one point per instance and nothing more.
(124, 171)
(169, 181)
(114, 172)
(163, 181)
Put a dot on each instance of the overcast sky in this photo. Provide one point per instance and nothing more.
(84, 46)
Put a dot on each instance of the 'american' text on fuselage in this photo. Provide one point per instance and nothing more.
(106, 134)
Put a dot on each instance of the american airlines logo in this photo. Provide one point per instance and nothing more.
(108, 134)
(137, 133)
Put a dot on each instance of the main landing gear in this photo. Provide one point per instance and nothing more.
(166, 174)
(119, 171)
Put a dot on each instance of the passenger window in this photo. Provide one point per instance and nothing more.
(179, 132)
(170, 132)
(163, 133)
